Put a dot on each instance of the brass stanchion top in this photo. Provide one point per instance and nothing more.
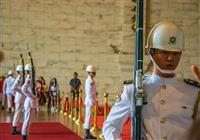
(105, 94)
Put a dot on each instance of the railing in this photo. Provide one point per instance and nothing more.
(73, 109)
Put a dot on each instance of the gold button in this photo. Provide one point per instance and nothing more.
(164, 138)
(164, 86)
(163, 120)
(162, 102)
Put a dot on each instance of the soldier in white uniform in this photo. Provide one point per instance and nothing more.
(30, 103)
(7, 89)
(19, 99)
(194, 132)
(172, 104)
(90, 97)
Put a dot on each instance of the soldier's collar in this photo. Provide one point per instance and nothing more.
(164, 80)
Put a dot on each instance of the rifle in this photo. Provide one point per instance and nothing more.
(33, 70)
(22, 60)
(138, 95)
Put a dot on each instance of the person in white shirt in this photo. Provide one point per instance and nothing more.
(7, 89)
(19, 99)
(90, 97)
(30, 103)
(172, 104)
(54, 92)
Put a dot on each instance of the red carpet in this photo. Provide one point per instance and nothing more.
(40, 131)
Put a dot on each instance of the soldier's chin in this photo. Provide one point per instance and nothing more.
(170, 67)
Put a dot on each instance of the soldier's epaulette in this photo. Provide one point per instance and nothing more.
(128, 82)
(192, 82)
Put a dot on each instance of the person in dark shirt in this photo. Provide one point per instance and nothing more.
(75, 84)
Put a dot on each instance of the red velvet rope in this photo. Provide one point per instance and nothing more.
(98, 110)
(82, 105)
(127, 120)
(108, 107)
(77, 103)
(72, 103)
(66, 105)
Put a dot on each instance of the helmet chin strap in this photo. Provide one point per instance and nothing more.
(161, 70)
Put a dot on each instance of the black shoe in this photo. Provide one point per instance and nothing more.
(88, 135)
(2, 108)
(10, 110)
(16, 133)
(24, 137)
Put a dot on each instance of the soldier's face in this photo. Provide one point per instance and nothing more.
(167, 60)
(92, 74)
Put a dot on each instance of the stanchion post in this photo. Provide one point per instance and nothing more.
(105, 105)
(58, 101)
(105, 111)
(75, 108)
(66, 105)
(67, 111)
(62, 103)
(80, 109)
(71, 107)
(94, 128)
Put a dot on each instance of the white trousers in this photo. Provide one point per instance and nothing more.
(110, 133)
(27, 120)
(9, 100)
(17, 114)
(88, 113)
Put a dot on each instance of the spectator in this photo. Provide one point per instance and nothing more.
(75, 84)
(54, 92)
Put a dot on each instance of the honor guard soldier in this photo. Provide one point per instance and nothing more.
(7, 89)
(30, 103)
(19, 99)
(90, 97)
(194, 132)
(172, 104)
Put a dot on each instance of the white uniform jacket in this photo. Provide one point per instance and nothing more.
(17, 88)
(7, 86)
(27, 90)
(90, 91)
(167, 116)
